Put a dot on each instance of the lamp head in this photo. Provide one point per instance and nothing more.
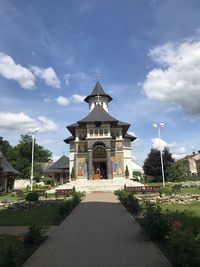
(32, 131)
(155, 125)
(162, 125)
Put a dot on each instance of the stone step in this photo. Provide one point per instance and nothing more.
(98, 185)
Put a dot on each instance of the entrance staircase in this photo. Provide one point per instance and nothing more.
(98, 185)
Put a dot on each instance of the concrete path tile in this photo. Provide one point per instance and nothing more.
(98, 233)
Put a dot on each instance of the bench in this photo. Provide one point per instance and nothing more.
(142, 189)
(63, 192)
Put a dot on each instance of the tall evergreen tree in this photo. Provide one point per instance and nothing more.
(152, 164)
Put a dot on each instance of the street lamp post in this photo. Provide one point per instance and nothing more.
(159, 126)
(32, 132)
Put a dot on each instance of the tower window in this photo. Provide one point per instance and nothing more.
(96, 132)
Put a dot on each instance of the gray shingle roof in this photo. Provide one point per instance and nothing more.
(59, 165)
(5, 166)
(129, 136)
(99, 114)
(98, 90)
(67, 140)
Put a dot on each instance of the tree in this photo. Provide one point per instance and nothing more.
(6, 148)
(137, 173)
(24, 156)
(126, 172)
(20, 156)
(176, 172)
(152, 164)
(73, 174)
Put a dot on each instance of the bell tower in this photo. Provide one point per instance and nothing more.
(98, 97)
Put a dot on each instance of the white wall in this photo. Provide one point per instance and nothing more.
(19, 184)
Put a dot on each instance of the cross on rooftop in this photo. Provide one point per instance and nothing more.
(98, 75)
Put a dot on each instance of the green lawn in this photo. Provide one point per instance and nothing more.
(47, 215)
(190, 190)
(192, 212)
(193, 207)
(8, 196)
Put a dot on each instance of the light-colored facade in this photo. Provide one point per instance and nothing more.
(192, 162)
(100, 147)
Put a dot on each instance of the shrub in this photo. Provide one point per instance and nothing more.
(126, 171)
(13, 194)
(11, 251)
(129, 201)
(185, 247)
(155, 223)
(52, 183)
(73, 176)
(32, 196)
(76, 198)
(165, 190)
(66, 207)
(73, 189)
(35, 234)
(137, 173)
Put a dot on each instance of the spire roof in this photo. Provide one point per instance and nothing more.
(5, 166)
(98, 91)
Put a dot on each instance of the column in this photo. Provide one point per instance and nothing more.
(90, 175)
(109, 168)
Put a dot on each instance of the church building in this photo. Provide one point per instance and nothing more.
(100, 146)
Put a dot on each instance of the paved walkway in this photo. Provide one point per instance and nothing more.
(98, 233)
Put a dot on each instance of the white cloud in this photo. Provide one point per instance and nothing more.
(177, 80)
(12, 71)
(157, 144)
(177, 152)
(78, 98)
(63, 101)
(48, 75)
(22, 122)
(80, 76)
(47, 125)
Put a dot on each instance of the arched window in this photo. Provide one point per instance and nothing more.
(91, 132)
(99, 152)
(96, 132)
(105, 132)
(101, 132)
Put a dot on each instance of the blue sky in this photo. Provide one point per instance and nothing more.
(148, 54)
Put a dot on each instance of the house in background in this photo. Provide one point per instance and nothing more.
(7, 174)
(58, 171)
(192, 162)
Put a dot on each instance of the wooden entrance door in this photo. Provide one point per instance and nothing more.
(97, 174)
(99, 170)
